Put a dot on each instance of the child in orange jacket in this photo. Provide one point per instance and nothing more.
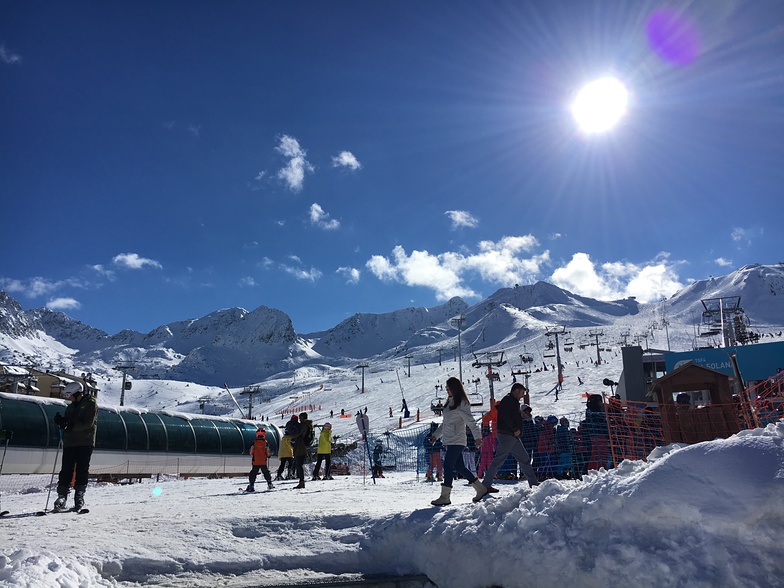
(259, 453)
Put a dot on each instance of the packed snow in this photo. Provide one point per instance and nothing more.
(709, 514)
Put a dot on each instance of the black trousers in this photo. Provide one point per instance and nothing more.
(327, 458)
(254, 472)
(299, 461)
(74, 458)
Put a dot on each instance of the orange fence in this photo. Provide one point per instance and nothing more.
(299, 409)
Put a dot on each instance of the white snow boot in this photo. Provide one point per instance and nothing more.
(443, 500)
(480, 488)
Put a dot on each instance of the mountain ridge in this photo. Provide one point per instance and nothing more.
(239, 346)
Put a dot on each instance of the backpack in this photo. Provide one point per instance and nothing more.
(308, 436)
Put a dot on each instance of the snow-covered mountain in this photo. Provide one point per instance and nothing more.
(241, 347)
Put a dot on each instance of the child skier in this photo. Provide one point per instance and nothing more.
(259, 453)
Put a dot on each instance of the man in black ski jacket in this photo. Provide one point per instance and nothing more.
(79, 426)
(510, 426)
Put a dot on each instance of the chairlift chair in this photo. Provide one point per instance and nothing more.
(475, 399)
(437, 405)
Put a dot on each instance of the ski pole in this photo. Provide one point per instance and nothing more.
(54, 467)
(7, 435)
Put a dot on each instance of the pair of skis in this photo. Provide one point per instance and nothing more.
(80, 511)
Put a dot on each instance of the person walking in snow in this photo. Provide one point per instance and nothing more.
(452, 431)
(378, 468)
(259, 453)
(302, 441)
(324, 453)
(79, 426)
(286, 450)
(510, 430)
(433, 452)
(530, 434)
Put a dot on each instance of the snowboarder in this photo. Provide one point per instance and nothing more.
(79, 425)
(259, 452)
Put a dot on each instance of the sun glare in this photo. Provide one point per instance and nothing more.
(599, 105)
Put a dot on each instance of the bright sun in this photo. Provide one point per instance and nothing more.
(599, 105)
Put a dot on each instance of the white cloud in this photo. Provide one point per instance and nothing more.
(133, 261)
(647, 282)
(193, 129)
(346, 159)
(246, 281)
(38, 286)
(319, 218)
(351, 274)
(265, 263)
(310, 275)
(496, 262)
(461, 218)
(63, 304)
(7, 56)
(723, 262)
(745, 236)
(296, 168)
(106, 273)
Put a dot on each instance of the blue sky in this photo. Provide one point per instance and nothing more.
(162, 160)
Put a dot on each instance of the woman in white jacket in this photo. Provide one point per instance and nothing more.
(457, 416)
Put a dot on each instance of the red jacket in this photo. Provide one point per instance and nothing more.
(259, 452)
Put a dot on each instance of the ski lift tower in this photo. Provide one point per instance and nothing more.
(362, 367)
(492, 359)
(459, 321)
(126, 385)
(721, 316)
(556, 331)
(250, 391)
(596, 335)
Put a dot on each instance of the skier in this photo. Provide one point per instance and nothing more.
(378, 469)
(259, 453)
(324, 453)
(286, 451)
(79, 426)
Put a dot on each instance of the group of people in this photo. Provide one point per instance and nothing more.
(552, 443)
(298, 436)
(542, 447)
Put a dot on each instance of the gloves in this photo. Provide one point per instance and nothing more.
(59, 421)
